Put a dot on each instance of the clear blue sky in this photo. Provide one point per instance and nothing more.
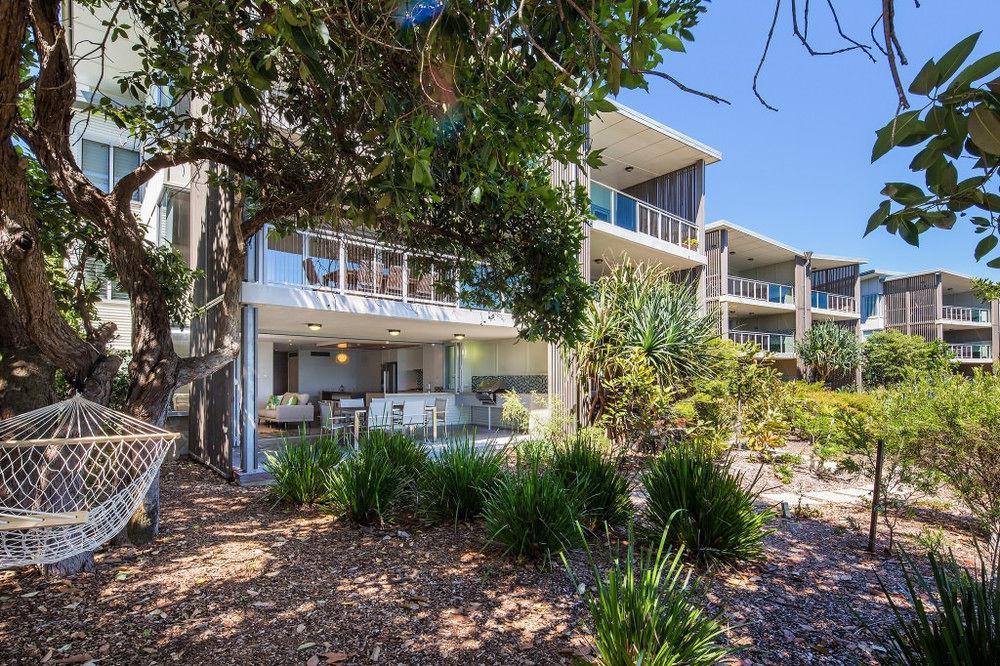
(803, 175)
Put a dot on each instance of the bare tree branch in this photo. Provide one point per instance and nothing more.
(763, 56)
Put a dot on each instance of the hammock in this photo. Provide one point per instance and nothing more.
(71, 476)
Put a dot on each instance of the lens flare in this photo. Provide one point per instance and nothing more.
(415, 12)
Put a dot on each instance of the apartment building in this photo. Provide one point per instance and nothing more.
(769, 294)
(936, 305)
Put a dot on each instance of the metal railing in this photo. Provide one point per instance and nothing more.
(972, 351)
(960, 313)
(825, 300)
(352, 265)
(775, 343)
(758, 290)
(622, 210)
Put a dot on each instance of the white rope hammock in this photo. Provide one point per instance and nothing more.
(71, 476)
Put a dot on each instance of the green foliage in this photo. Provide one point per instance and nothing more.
(703, 506)
(643, 612)
(645, 335)
(454, 483)
(533, 452)
(515, 414)
(829, 351)
(958, 131)
(464, 107)
(955, 618)
(889, 357)
(378, 482)
(593, 477)
(301, 469)
(530, 514)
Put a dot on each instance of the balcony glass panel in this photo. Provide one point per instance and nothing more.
(627, 212)
(600, 202)
(624, 211)
(773, 343)
(759, 290)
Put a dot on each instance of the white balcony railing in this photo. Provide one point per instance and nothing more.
(972, 351)
(825, 300)
(622, 210)
(966, 314)
(351, 265)
(774, 343)
(759, 290)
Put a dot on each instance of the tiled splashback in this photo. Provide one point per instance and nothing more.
(515, 383)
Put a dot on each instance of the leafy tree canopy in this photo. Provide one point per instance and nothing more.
(958, 131)
(889, 357)
(829, 351)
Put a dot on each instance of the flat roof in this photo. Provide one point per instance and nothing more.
(942, 271)
(711, 155)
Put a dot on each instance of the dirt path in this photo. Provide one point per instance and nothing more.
(233, 581)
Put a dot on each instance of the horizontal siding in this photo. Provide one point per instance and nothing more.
(119, 313)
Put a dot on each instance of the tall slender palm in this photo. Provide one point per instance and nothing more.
(641, 311)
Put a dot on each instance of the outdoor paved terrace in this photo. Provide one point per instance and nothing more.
(623, 210)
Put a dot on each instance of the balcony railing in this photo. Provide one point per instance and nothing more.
(774, 343)
(971, 315)
(759, 290)
(620, 209)
(972, 351)
(825, 300)
(352, 265)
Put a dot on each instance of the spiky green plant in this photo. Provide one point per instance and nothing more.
(454, 484)
(643, 613)
(703, 506)
(300, 469)
(378, 482)
(592, 475)
(530, 514)
(958, 625)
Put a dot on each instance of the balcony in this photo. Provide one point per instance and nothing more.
(965, 314)
(772, 343)
(626, 212)
(972, 351)
(758, 290)
(824, 300)
(352, 265)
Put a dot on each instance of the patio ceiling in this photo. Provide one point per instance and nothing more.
(292, 323)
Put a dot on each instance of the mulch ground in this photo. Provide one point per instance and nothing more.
(232, 580)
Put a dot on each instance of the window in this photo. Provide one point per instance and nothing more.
(108, 290)
(175, 222)
(451, 367)
(105, 165)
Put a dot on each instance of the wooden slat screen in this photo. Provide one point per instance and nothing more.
(713, 250)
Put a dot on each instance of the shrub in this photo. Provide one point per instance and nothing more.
(530, 514)
(532, 453)
(963, 625)
(643, 614)
(454, 484)
(715, 519)
(829, 351)
(591, 475)
(300, 469)
(888, 357)
(376, 483)
(515, 414)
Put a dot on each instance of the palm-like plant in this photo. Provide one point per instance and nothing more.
(641, 313)
(828, 350)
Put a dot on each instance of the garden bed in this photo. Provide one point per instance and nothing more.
(232, 580)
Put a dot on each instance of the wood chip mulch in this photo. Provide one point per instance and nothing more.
(232, 580)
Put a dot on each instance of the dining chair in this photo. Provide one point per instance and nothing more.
(423, 287)
(394, 281)
(310, 270)
(365, 277)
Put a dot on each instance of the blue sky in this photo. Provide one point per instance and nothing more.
(803, 175)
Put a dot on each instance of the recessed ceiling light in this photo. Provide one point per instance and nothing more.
(629, 168)
(341, 345)
(342, 358)
(749, 258)
(314, 327)
(459, 336)
(732, 252)
(394, 332)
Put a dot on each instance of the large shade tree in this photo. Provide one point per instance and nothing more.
(429, 124)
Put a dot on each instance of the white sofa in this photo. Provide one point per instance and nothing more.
(303, 412)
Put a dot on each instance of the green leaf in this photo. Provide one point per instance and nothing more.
(878, 217)
(977, 70)
(994, 263)
(985, 246)
(908, 232)
(895, 131)
(926, 79)
(904, 193)
(672, 42)
(603, 105)
(942, 177)
(477, 194)
(381, 167)
(956, 55)
(984, 128)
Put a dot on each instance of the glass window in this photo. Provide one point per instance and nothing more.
(96, 164)
(126, 161)
(451, 367)
(175, 222)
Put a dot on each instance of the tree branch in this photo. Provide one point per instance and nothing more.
(763, 56)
